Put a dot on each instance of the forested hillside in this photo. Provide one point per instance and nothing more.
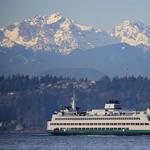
(30, 101)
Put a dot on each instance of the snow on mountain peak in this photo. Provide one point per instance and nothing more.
(84, 28)
(67, 24)
(54, 18)
(53, 32)
(57, 33)
(133, 33)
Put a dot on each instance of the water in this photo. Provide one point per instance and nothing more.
(45, 142)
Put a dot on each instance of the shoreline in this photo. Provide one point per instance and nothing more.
(25, 132)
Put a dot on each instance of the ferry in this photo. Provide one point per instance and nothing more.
(112, 120)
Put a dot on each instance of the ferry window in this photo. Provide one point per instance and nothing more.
(127, 123)
(146, 123)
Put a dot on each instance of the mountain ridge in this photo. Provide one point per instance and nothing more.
(133, 33)
(53, 33)
(63, 35)
(118, 59)
(52, 42)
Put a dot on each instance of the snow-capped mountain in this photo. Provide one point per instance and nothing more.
(53, 32)
(60, 34)
(108, 52)
(133, 33)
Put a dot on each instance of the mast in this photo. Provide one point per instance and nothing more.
(73, 103)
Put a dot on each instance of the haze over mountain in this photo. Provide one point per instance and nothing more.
(56, 45)
(112, 60)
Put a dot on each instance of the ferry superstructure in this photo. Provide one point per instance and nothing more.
(111, 120)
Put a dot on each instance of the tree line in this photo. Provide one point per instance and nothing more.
(32, 106)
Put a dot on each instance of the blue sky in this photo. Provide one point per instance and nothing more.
(99, 13)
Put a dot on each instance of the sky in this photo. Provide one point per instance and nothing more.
(104, 14)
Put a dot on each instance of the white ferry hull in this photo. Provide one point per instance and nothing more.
(111, 120)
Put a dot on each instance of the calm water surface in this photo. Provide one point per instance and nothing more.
(45, 142)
